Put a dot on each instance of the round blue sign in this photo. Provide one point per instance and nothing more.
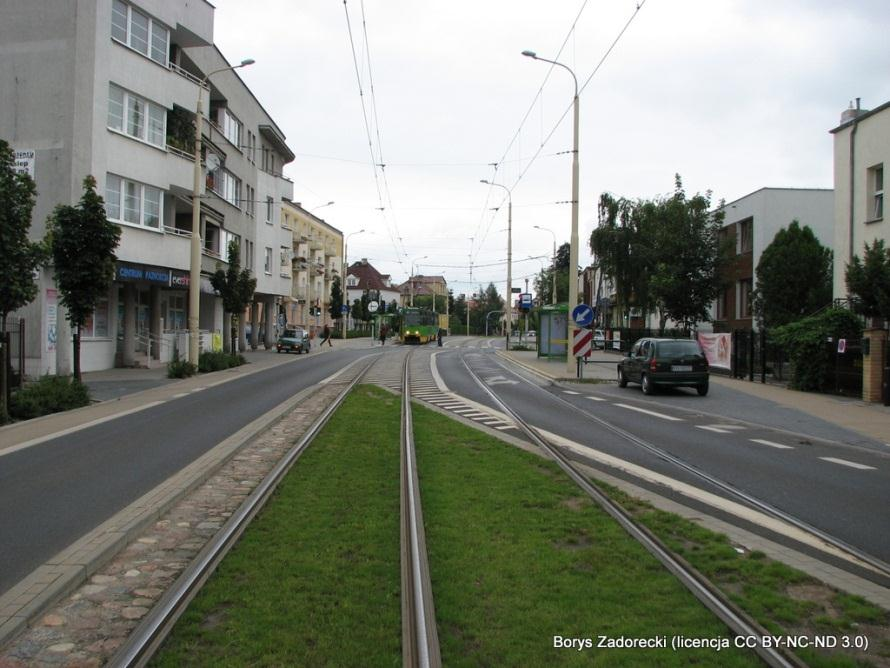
(344, 309)
(582, 314)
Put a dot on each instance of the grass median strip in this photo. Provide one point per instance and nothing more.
(522, 564)
(315, 579)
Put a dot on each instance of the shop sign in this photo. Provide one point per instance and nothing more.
(139, 273)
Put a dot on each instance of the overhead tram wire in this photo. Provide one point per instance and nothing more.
(525, 119)
(374, 160)
(602, 60)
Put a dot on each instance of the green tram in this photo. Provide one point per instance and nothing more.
(419, 325)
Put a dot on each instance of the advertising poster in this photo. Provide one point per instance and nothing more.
(52, 318)
(718, 349)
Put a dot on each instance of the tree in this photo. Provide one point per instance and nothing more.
(335, 307)
(544, 281)
(868, 280)
(793, 277)
(662, 254)
(236, 287)
(687, 256)
(489, 300)
(19, 257)
(83, 244)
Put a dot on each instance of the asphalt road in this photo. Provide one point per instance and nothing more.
(727, 434)
(55, 492)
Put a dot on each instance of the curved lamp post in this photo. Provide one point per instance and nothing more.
(411, 277)
(345, 269)
(508, 312)
(195, 260)
(553, 277)
(573, 248)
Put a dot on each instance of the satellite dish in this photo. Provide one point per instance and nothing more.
(212, 162)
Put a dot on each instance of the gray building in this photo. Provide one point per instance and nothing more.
(110, 88)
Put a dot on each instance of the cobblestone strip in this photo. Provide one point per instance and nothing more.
(87, 627)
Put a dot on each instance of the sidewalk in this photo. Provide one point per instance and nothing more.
(871, 420)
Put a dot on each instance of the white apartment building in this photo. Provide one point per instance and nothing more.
(861, 150)
(110, 88)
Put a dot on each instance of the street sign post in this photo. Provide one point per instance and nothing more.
(582, 340)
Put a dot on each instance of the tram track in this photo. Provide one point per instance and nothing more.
(852, 553)
(149, 635)
(706, 592)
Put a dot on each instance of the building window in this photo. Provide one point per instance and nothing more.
(745, 288)
(139, 118)
(286, 253)
(226, 239)
(746, 236)
(269, 205)
(96, 324)
(226, 185)
(248, 254)
(211, 239)
(231, 127)
(176, 312)
(250, 201)
(722, 305)
(876, 188)
(267, 267)
(139, 32)
(132, 202)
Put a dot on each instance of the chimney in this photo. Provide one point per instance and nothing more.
(852, 113)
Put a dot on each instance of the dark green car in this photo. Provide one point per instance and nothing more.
(293, 340)
(655, 362)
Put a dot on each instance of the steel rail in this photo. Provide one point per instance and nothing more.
(736, 619)
(878, 565)
(420, 640)
(154, 628)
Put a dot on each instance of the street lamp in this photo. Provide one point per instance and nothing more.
(195, 261)
(573, 247)
(553, 277)
(508, 312)
(321, 206)
(345, 269)
(411, 277)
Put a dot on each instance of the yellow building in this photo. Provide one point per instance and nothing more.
(317, 258)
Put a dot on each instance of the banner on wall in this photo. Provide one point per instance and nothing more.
(718, 349)
(52, 319)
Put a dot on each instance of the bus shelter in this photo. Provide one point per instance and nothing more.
(553, 331)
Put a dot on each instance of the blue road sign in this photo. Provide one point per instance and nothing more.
(344, 309)
(582, 314)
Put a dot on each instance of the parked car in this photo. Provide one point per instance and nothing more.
(293, 339)
(599, 339)
(531, 334)
(654, 362)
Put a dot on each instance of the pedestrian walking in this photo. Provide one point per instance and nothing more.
(326, 336)
(383, 333)
(439, 337)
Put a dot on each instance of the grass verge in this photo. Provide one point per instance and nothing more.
(518, 556)
(315, 579)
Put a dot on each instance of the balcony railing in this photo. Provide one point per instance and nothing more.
(188, 75)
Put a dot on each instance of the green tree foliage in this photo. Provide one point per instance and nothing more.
(809, 343)
(687, 256)
(489, 300)
(793, 277)
(544, 280)
(83, 244)
(19, 257)
(662, 254)
(235, 285)
(336, 299)
(868, 280)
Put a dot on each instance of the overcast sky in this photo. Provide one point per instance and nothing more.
(734, 95)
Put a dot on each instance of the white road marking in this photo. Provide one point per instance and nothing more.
(720, 428)
(652, 413)
(596, 398)
(771, 444)
(500, 380)
(852, 465)
(571, 392)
